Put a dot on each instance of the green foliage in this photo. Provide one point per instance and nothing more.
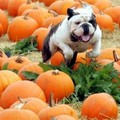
(23, 46)
(91, 78)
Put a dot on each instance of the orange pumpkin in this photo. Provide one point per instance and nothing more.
(1, 30)
(59, 109)
(40, 34)
(28, 5)
(32, 103)
(63, 117)
(13, 6)
(57, 59)
(23, 89)
(106, 107)
(16, 62)
(90, 1)
(33, 67)
(21, 27)
(54, 80)
(6, 78)
(4, 21)
(99, 4)
(108, 21)
(4, 4)
(47, 2)
(14, 114)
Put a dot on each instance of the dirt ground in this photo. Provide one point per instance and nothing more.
(109, 39)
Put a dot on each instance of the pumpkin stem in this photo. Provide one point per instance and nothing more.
(25, 16)
(116, 58)
(19, 59)
(53, 12)
(28, 2)
(51, 102)
(1, 54)
(55, 72)
(22, 100)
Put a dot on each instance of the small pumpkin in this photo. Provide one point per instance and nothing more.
(108, 21)
(54, 80)
(18, 114)
(15, 63)
(13, 6)
(21, 27)
(32, 103)
(33, 67)
(107, 109)
(40, 34)
(4, 21)
(23, 89)
(6, 78)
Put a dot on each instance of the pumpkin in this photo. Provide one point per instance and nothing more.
(15, 63)
(90, 1)
(21, 27)
(63, 117)
(57, 59)
(107, 53)
(32, 103)
(37, 14)
(13, 6)
(40, 34)
(1, 109)
(23, 89)
(47, 2)
(14, 114)
(4, 4)
(4, 21)
(106, 107)
(1, 30)
(53, 20)
(54, 80)
(99, 4)
(28, 5)
(108, 21)
(6, 78)
(55, 110)
(33, 67)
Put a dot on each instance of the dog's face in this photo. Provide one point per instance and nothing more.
(82, 24)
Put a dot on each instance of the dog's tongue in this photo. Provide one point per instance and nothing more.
(85, 38)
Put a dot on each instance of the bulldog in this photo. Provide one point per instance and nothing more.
(74, 34)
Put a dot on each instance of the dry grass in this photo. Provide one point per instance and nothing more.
(109, 39)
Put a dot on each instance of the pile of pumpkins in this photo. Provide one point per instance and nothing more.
(23, 99)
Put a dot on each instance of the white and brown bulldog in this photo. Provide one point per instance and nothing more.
(74, 34)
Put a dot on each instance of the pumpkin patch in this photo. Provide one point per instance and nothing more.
(33, 90)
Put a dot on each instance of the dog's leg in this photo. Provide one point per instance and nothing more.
(95, 49)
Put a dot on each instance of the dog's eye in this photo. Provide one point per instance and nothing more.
(77, 23)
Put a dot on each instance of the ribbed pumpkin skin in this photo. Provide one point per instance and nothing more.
(21, 27)
(56, 82)
(33, 67)
(64, 117)
(4, 4)
(16, 62)
(23, 89)
(48, 113)
(6, 78)
(100, 106)
(32, 103)
(14, 114)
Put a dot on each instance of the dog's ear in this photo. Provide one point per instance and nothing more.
(70, 13)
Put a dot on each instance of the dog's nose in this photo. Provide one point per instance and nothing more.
(85, 29)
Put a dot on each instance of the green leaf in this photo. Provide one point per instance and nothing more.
(5, 66)
(30, 75)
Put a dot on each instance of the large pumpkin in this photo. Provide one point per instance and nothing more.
(32, 103)
(14, 114)
(21, 27)
(55, 82)
(6, 78)
(99, 106)
(23, 89)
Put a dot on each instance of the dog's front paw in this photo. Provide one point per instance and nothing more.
(92, 54)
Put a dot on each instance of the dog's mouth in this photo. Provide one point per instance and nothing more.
(83, 38)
